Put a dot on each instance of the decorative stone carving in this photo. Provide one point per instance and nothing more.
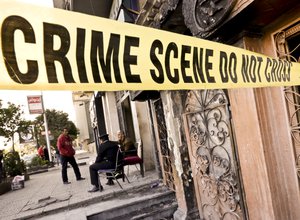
(203, 16)
(215, 172)
(154, 12)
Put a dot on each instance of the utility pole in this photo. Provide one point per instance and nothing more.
(46, 131)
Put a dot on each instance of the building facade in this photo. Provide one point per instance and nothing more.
(233, 153)
(228, 154)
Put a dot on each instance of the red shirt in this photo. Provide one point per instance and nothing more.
(41, 151)
(65, 146)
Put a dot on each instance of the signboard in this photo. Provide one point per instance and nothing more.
(26, 137)
(35, 104)
(53, 49)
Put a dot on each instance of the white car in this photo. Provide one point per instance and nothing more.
(28, 158)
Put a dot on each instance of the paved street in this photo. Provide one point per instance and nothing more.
(44, 194)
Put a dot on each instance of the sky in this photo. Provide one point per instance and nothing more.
(59, 100)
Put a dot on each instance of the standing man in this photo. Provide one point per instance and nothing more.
(106, 159)
(46, 154)
(67, 152)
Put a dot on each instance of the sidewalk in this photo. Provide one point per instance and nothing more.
(45, 194)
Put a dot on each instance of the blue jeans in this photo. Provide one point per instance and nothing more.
(57, 156)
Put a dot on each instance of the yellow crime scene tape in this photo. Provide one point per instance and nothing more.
(53, 49)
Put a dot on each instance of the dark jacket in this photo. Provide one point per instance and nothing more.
(107, 152)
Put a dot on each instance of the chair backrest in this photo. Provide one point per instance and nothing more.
(119, 159)
(139, 147)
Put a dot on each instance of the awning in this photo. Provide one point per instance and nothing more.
(141, 96)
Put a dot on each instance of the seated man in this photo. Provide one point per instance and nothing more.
(126, 144)
(106, 159)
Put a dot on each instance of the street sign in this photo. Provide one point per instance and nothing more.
(35, 104)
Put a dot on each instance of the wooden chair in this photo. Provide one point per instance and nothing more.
(134, 160)
(117, 172)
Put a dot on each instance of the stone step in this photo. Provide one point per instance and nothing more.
(155, 206)
(165, 213)
(151, 200)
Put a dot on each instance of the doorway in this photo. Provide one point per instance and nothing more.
(127, 125)
(213, 157)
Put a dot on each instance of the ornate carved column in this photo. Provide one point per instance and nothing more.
(173, 103)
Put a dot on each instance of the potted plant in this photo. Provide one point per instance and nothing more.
(4, 183)
(13, 165)
(37, 163)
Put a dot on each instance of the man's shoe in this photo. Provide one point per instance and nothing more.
(110, 183)
(67, 182)
(81, 178)
(94, 189)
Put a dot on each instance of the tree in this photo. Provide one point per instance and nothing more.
(11, 122)
(57, 121)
